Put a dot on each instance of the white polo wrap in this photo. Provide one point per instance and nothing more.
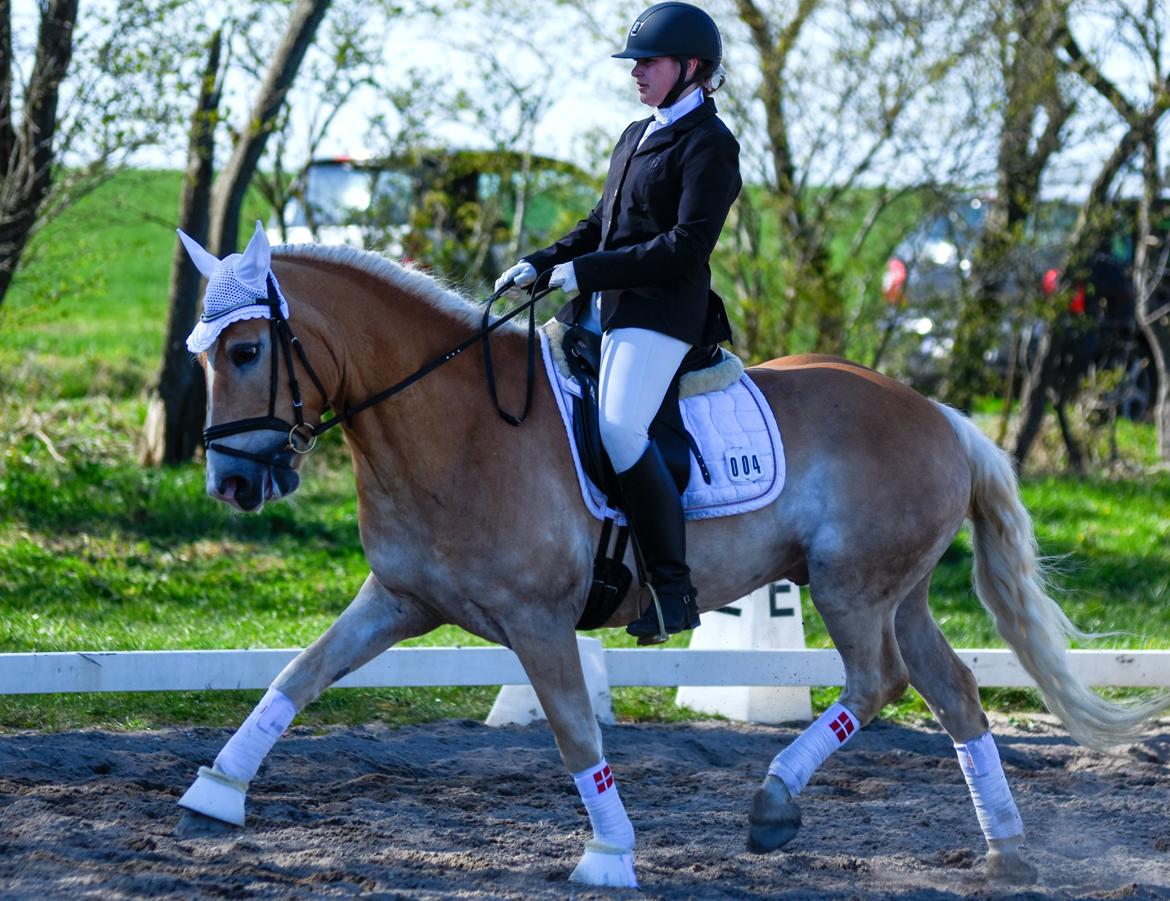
(994, 806)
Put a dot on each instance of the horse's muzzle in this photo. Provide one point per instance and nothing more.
(247, 485)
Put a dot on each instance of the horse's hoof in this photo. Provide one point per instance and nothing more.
(774, 819)
(606, 865)
(196, 825)
(1004, 864)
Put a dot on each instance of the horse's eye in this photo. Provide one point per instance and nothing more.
(243, 354)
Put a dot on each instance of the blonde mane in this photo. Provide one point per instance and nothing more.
(410, 281)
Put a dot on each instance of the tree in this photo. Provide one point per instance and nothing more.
(180, 395)
(1035, 110)
(350, 49)
(27, 155)
(1140, 29)
(849, 110)
(174, 419)
(91, 91)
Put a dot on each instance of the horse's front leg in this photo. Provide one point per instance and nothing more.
(374, 620)
(553, 664)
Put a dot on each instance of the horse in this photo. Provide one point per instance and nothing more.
(468, 520)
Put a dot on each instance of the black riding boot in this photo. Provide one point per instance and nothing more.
(654, 509)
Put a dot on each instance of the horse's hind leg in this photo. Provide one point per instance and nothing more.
(373, 621)
(874, 676)
(952, 694)
(553, 664)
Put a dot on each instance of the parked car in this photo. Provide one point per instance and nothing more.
(928, 275)
(455, 210)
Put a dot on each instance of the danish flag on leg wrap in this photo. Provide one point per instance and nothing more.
(607, 814)
(603, 778)
(796, 764)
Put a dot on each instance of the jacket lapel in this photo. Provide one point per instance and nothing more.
(666, 135)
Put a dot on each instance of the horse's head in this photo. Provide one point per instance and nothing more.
(256, 430)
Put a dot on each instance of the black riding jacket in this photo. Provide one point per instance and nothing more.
(647, 243)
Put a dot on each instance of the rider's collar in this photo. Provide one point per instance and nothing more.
(671, 114)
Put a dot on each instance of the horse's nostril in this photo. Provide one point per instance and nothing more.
(247, 493)
(229, 487)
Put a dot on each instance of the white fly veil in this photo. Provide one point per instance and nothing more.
(237, 288)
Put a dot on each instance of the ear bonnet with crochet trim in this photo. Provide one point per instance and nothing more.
(237, 288)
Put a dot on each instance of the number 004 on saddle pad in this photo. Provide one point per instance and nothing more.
(737, 436)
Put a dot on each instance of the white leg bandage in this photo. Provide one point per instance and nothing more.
(795, 765)
(994, 806)
(245, 751)
(607, 814)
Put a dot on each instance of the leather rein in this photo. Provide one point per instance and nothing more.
(302, 436)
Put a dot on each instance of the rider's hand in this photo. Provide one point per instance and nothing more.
(564, 277)
(522, 275)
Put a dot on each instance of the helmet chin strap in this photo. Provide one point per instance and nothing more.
(680, 84)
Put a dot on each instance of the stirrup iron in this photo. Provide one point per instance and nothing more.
(662, 637)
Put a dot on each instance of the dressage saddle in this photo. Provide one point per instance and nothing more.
(582, 353)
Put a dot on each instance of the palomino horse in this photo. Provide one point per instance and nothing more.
(467, 520)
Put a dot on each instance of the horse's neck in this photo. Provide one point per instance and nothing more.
(414, 449)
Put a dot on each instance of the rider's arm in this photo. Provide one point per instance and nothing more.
(582, 239)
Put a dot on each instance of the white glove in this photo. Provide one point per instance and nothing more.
(523, 274)
(564, 277)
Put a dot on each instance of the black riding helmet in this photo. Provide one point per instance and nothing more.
(679, 30)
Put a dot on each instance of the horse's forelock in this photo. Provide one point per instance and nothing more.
(404, 278)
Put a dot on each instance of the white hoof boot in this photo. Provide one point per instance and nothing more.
(607, 865)
(216, 795)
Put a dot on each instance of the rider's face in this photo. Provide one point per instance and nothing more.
(655, 77)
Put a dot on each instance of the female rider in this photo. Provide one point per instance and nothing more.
(640, 264)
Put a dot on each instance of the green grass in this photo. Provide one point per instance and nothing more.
(87, 311)
(98, 553)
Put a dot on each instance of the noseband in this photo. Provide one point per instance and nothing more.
(302, 437)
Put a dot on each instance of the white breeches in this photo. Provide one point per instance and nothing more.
(637, 365)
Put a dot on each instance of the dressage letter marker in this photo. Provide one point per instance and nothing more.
(517, 705)
(757, 622)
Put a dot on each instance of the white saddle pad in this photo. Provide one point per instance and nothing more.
(737, 436)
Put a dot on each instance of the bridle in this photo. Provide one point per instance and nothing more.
(302, 436)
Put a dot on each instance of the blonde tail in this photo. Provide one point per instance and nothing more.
(1010, 586)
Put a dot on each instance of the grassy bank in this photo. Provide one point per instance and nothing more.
(97, 553)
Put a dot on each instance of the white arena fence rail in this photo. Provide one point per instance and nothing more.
(99, 671)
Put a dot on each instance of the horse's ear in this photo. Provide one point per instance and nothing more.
(204, 261)
(252, 269)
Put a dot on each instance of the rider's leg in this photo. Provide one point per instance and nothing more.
(637, 367)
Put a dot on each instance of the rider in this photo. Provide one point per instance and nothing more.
(640, 264)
